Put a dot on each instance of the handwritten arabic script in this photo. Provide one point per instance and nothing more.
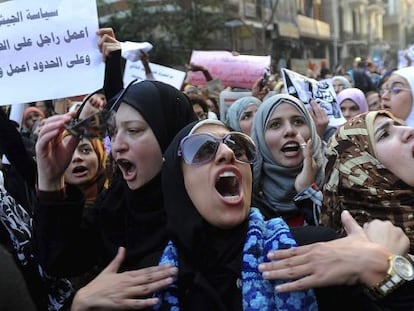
(29, 16)
(40, 44)
(46, 64)
(45, 40)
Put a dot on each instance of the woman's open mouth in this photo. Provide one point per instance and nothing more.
(228, 186)
(80, 171)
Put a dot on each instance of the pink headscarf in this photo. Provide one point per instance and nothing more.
(354, 94)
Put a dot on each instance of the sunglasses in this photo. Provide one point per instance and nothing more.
(96, 125)
(199, 149)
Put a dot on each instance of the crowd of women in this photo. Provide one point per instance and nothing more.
(141, 199)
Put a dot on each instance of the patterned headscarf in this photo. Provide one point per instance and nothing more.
(277, 182)
(358, 182)
(235, 111)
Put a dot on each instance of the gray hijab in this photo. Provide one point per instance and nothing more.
(235, 111)
(276, 183)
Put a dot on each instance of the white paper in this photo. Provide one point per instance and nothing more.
(48, 50)
(321, 91)
(132, 50)
(171, 76)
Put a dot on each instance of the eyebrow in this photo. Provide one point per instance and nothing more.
(246, 113)
(383, 126)
(85, 144)
(132, 122)
(394, 83)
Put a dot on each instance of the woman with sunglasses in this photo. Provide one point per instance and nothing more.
(129, 214)
(217, 239)
(397, 94)
(289, 169)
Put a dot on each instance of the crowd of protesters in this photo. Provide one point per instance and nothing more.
(147, 197)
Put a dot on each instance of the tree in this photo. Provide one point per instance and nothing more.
(175, 28)
(267, 16)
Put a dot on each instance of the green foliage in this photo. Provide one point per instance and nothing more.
(174, 27)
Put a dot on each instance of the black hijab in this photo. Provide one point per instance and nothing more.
(209, 258)
(136, 218)
(166, 109)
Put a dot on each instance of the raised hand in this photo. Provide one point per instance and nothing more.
(94, 104)
(107, 42)
(259, 91)
(307, 176)
(320, 118)
(53, 154)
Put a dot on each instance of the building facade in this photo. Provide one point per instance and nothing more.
(296, 32)
(292, 32)
(374, 29)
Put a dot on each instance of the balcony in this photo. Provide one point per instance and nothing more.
(390, 20)
(376, 7)
(353, 4)
(313, 28)
(354, 39)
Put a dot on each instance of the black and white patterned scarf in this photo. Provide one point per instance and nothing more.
(18, 224)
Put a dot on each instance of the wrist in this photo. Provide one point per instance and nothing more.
(302, 187)
(374, 265)
(79, 303)
(400, 270)
(50, 185)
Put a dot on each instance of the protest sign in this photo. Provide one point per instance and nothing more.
(48, 50)
(135, 70)
(321, 91)
(233, 70)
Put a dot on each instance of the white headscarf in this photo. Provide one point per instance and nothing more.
(408, 74)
